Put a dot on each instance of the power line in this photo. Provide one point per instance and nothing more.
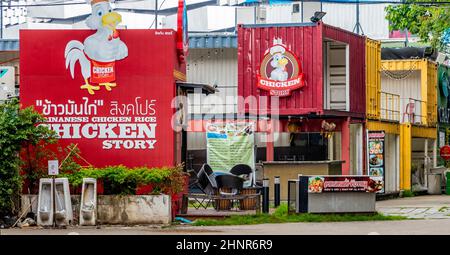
(156, 11)
(58, 4)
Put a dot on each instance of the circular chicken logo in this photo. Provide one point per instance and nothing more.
(280, 71)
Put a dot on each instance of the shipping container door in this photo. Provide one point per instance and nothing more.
(356, 149)
(336, 96)
(392, 163)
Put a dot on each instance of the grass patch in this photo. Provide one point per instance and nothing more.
(443, 209)
(408, 193)
(281, 216)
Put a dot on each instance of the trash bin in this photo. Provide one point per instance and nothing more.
(434, 184)
(447, 186)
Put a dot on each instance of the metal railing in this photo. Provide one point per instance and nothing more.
(412, 111)
(390, 106)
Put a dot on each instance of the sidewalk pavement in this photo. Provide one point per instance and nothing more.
(419, 207)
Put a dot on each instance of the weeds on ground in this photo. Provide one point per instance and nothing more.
(281, 216)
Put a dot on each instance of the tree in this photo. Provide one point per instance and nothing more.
(18, 128)
(429, 22)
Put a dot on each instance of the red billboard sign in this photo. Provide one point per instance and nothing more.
(112, 97)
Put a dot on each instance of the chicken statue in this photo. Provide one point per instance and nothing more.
(99, 52)
(279, 61)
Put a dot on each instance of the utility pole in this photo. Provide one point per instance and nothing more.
(156, 14)
(1, 19)
(357, 25)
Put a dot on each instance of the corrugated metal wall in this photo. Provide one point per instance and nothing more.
(303, 41)
(373, 81)
(408, 87)
(372, 18)
(357, 63)
(214, 67)
(432, 93)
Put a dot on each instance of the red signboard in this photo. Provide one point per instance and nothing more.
(119, 110)
(318, 184)
(280, 71)
(445, 152)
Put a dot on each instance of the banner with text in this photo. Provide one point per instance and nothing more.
(229, 144)
(376, 143)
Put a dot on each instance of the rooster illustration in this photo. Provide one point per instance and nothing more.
(98, 54)
(279, 61)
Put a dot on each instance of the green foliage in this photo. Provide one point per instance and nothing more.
(428, 22)
(123, 180)
(407, 193)
(281, 216)
(18, 129)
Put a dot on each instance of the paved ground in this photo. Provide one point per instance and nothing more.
(434, 212)
(427, 207)
(407, 227)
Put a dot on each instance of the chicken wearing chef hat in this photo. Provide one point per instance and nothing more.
(99, 52)
(279, 61)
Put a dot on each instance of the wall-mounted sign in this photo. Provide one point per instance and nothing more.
(182, 31)
(444, 152)
(280, 71)
(126, 121)
(53, 167)
(376, 145)
(319, 184)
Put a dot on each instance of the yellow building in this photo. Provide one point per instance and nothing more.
(401, 100)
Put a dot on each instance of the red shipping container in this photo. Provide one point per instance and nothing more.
(305, 41)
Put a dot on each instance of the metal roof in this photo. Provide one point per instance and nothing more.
(9, 45)
(213, 41)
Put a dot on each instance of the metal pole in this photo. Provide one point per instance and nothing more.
(156, 14)
(276, 191)
(265, 206)
(357, 17)
(1, 20)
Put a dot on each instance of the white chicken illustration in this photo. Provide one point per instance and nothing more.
(279, 62)
(98, 53)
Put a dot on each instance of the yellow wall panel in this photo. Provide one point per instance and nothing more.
(373, 83)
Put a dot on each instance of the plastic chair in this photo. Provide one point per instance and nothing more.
(207, 184)
(243, 169)
(229, 182)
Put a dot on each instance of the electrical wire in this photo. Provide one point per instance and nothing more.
(156, 11)
(10, 5)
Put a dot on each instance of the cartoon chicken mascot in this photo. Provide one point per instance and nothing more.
(279, 62)
(99, 52)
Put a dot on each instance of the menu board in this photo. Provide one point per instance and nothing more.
(229, 144)
(376, 146)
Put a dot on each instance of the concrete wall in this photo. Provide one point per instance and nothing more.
(124, 210)
(289, 170)
(341, 202)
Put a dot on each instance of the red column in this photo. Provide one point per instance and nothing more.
(269, 143)
(345, 146)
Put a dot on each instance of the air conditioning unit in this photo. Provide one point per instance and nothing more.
(296, 8)
(7, 82)
(261, 14)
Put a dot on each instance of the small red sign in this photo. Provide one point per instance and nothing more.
(102, 72)
(445, 152)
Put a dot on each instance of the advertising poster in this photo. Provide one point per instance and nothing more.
(319, 184)
(114, 100)
(376, 146)
(229, 144)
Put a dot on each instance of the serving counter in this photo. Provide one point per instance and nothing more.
(291, 169)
